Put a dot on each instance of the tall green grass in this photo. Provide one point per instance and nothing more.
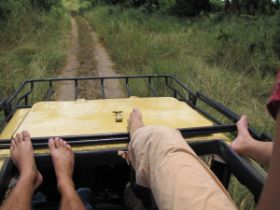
(32, 45)
(229, 58)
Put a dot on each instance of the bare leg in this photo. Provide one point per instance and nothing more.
(29, 179)
(63, 161)
(245, 144)
(270, 195)
(135, 121)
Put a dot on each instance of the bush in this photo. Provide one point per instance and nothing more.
(276, 39)
(4, 11)
(246, 45)
(240, 78)
(31, 42)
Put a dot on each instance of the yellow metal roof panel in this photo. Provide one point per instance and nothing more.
(87, 117)
(14, 123)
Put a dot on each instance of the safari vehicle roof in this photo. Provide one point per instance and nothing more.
(87, 117)
(166, 101)
(99, 117)
(101, 124)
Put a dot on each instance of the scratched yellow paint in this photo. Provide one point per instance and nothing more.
(86, 117)
(14, 123)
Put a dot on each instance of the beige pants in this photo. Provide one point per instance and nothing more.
(178, 179)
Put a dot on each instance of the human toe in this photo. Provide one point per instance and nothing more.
(69, 147)
(18, 138)
(25, 135)
(51, 144)
(243, 121)
(57, 142)
(61, 143)
(13, 143)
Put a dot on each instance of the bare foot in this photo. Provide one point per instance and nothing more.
(135, 121)
(243, 139)
(23, 157)
(63, 161)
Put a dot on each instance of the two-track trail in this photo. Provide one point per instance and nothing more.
(86, 56)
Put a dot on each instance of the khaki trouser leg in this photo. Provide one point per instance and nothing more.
(177, 177)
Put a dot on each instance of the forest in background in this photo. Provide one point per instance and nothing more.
(229, 50)
(209, 43)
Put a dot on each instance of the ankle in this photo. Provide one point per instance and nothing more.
(64, 184)
(28, 175)
(247, 145)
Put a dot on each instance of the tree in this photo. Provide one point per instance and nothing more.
(191, 8)
(227, 5)
(251, 7)
(45, 4)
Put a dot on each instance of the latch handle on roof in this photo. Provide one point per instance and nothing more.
(118, 116)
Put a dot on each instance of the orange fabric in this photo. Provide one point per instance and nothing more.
(177, 177)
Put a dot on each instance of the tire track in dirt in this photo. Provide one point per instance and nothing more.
(88, 89)
(66, 90)
(105, 67)
(87, 57)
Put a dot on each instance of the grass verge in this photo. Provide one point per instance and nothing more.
(230, 59)
(198, 52)
(35, 50)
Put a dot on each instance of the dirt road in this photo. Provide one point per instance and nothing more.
(86, 57)
(105, 68)
(66, 90)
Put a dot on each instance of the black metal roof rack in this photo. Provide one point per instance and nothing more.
(173, 87)
(157, 85)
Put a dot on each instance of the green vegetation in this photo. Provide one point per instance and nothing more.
(32, 41)
(229, 50)
(76, 6)
(229, 58)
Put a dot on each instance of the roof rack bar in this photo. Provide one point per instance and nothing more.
(208, 115)
(127, 87)
(24, 106)
(49, 91)
(102, 92)
(206, 130)
(182, 85)
(227, 112)
(151, 85)
(6, 119)
(186, 132)
(241, 169)
(76, 89)
(175, 92)
(219, 107)
(266, 136)
(173, 84)
(5, 109)
(192, 100)
(18, 91)
(25, 96)
(23, 85)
